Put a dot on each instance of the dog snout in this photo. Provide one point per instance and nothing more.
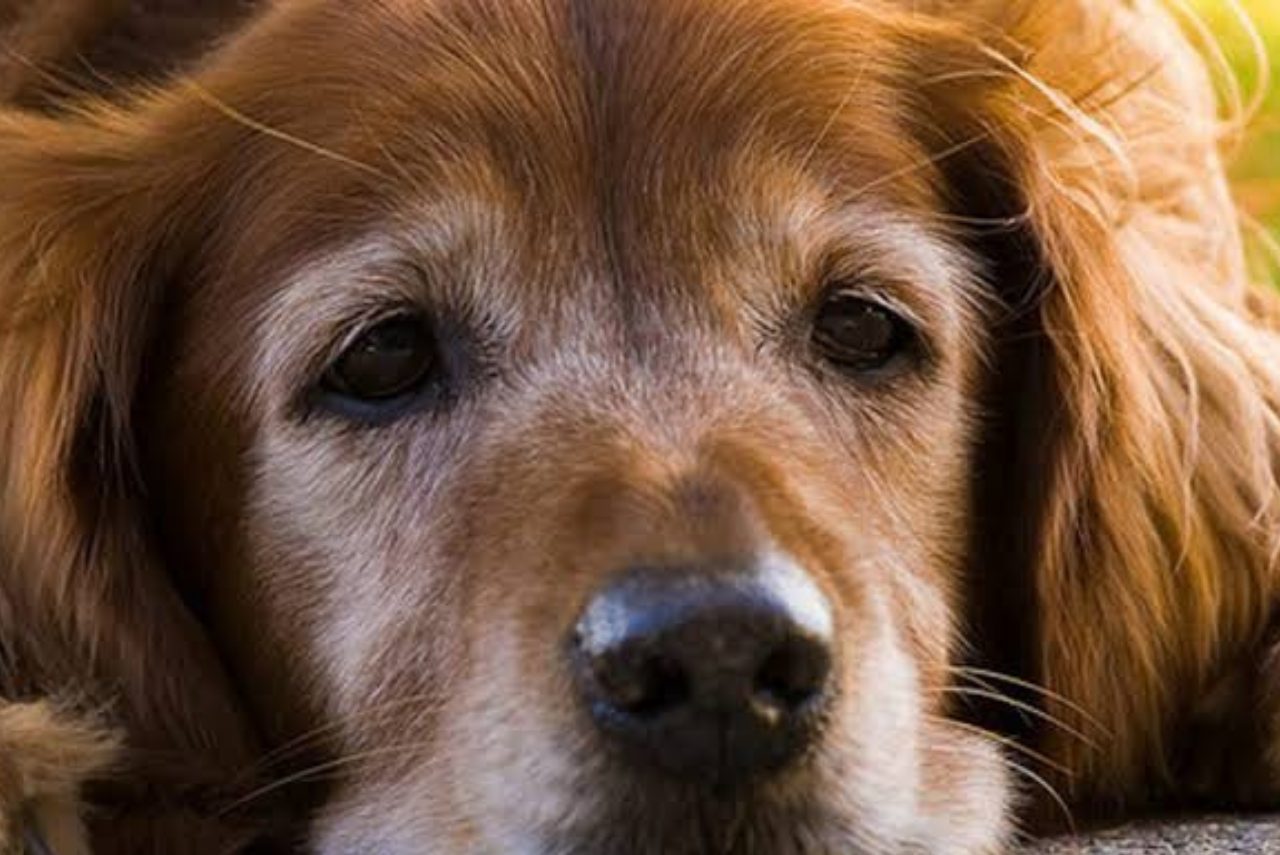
(713, 675)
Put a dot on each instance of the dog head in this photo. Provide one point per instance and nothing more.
(576, 428)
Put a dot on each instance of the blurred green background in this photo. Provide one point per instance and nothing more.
(1257, 165)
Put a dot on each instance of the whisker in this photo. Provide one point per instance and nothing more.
(933, 160)
(1022, 771)
(1021, 706)
(1007, 742)
(969, 671)
(1048, 788)
(311, 772)
(835, 116)
(996, 224)
(309, 738)
(275, 133)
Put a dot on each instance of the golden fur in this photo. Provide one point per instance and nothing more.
(1074, 508)
(45, 758)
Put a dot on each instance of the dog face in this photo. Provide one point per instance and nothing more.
(589, 428)
(628, 344)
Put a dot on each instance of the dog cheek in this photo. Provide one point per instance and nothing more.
(969, 798)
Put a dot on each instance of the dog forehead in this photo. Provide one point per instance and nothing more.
(640, 140)
(660, 120)
(625, 97)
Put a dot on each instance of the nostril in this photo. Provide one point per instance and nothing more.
(793, 674)
(644, 688)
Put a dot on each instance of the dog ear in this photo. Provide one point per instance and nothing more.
(44, 760)
(57, 52)
(1127, 493)
(95, 214)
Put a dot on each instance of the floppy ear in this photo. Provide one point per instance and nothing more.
(60, 51)
(44, 760)
(94, 218)
(1127, 492)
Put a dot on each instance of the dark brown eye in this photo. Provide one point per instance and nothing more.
(388, 361)
(859, 335)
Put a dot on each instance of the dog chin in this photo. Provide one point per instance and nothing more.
(888, 780)
(803, 820)
(716, 826)
(710, 826)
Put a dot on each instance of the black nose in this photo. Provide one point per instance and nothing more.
(716, 675)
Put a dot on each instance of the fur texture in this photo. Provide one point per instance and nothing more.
(619, 215)
(45, 758)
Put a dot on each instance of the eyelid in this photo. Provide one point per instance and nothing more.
(869, 285)
(344, 332)
(862, 281)
(352, 328)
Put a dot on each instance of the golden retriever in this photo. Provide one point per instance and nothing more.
(625, 427)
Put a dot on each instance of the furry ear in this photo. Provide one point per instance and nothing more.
(45, 758)
(58, 51)
(1128, 494)
(95, 213)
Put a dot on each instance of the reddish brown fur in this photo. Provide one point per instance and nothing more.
(630, 203)
(58, 49)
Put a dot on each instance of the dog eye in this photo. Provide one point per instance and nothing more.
(392, 359)
(857, 334)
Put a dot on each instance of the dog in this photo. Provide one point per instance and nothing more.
(644, 427)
